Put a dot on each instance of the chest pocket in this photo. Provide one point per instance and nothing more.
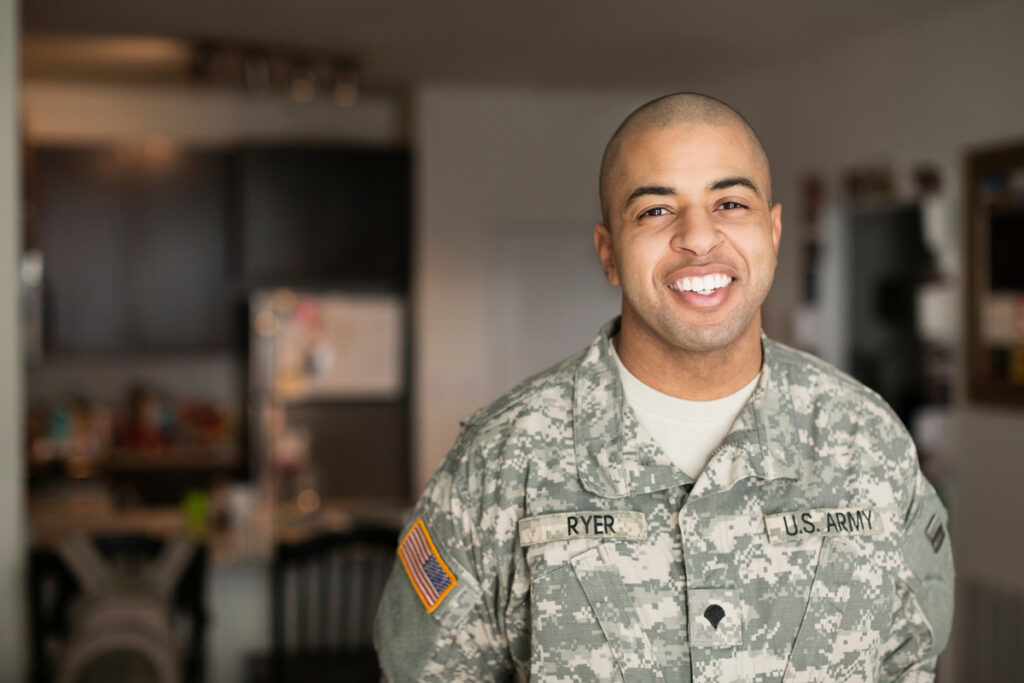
(586, 626)
(841, 620)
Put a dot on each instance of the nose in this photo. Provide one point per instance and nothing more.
(696, 232)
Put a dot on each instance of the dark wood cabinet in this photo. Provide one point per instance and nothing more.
(314, 216)
(134, 249)
(156, 249)
(80, 226)
(178, 293)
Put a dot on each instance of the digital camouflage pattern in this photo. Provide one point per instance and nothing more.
(704, 593)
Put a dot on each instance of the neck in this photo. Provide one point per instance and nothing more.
(692, 375)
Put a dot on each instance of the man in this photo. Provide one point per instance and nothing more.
(684, 499)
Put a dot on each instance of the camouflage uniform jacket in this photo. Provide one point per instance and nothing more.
(557, 542)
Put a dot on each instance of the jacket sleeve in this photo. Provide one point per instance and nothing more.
(923, 608)
(437, 620)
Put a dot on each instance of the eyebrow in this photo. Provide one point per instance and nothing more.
(659, 190)
(665, 191)
(726, 183)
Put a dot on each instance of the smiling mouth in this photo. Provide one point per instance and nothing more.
(705, 285)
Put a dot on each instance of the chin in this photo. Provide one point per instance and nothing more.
(702, 339)
(704, 343)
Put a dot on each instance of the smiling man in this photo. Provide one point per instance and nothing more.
(684, 499)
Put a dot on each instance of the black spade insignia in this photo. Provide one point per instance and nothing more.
(714, 614)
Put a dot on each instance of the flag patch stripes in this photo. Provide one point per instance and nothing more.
(430, 576)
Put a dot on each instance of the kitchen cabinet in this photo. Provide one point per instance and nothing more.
(321, 216)
(134, 249)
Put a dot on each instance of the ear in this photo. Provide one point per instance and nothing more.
(603, 245)
(776, 214)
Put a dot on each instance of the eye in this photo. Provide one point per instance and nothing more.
(656, 211)
(728, 206)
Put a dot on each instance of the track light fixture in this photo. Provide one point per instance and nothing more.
(302, 76)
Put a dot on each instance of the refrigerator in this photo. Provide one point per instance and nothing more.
(328, 395)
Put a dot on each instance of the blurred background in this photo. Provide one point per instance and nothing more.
(259, 258)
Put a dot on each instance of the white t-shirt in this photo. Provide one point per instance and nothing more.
(688, 431)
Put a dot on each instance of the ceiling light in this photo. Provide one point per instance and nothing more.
(302, 81)
(256, 69)
(207, 61)
(345, 91)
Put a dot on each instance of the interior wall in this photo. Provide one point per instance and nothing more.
(13, 645)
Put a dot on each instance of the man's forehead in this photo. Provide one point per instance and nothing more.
(687, 142)
(729, 146)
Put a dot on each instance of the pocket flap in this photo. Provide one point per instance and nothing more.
(616, 615)
(830, 591)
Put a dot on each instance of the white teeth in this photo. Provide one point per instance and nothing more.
(702, 285)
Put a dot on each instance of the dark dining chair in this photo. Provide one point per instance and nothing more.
(324, 598)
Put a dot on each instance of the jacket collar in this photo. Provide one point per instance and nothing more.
(616, 457)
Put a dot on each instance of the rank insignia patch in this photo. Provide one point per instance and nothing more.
(935, 532)
(428, 573)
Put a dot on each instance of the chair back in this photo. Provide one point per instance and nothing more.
(326, 590)
(119, 602)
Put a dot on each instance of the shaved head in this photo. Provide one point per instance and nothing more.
(678, 109)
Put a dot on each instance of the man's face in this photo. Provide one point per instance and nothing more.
(692, 237)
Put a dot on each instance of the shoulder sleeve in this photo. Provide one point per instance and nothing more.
(923, 609)
(434, 621)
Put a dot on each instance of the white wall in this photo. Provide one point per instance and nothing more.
(14, 642)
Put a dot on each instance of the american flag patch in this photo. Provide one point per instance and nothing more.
(429, 574)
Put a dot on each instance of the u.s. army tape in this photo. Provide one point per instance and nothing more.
(799, 524)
